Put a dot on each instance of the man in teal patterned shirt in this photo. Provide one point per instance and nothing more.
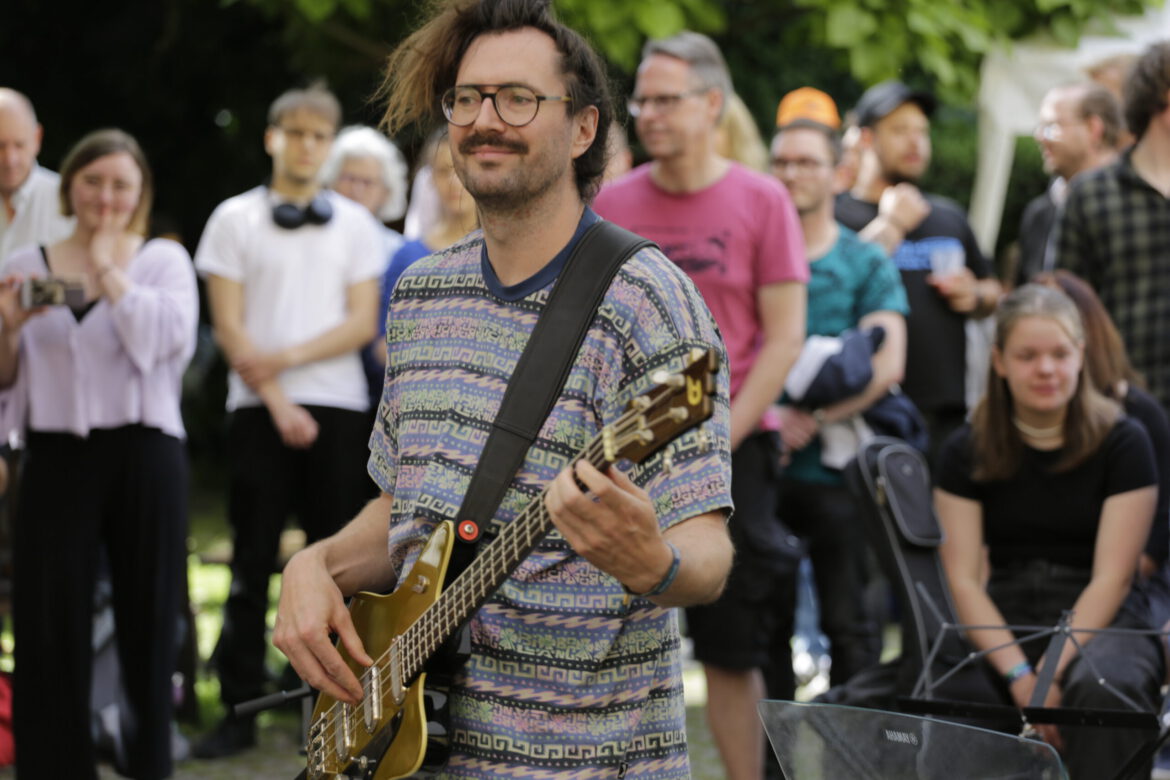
(574, 665)
(852, 284)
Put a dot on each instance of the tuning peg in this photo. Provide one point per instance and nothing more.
(705, 440)
(668, 460)
(668, 379)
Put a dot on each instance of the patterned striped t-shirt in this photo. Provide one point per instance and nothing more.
(568, 677)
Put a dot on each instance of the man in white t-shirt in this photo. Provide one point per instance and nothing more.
(292, 276)
(30, 205)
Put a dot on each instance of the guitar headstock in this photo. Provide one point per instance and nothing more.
(677, 403)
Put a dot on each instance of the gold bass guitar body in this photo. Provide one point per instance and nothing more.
(397, 729)
(419, 635)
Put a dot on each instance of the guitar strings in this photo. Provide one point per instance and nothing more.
(410, 648)
(412, 652)
(421, 639)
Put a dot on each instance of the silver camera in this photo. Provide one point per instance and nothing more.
(51, 291)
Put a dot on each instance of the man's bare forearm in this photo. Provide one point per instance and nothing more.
(357, 557)
(705, 555)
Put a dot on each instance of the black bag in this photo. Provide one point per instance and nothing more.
(892, 483)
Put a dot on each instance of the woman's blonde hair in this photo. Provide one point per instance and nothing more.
(1107, 362)
(739, 136)
(998, 446)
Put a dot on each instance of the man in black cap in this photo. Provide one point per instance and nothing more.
(946, 276)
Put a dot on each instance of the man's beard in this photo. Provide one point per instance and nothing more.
(901, 177)
(811, 205)
(512, 191)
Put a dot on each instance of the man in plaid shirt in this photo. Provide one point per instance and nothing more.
(1115, 229)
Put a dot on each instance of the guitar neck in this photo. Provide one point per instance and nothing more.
(677, 403)
(487, 571)
(337, 740)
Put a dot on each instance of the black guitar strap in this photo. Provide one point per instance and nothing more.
(539, 377)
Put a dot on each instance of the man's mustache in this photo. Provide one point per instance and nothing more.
(471, 142)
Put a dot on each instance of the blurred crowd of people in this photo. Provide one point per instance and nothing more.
(1053, 476)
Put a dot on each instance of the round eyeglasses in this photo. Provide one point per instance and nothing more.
(802, 166)
(1048, 131)
(662, 104)
(515, 105)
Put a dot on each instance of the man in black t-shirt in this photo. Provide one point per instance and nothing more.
(946, 276)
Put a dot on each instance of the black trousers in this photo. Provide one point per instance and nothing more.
(324, 486)
(735, 632)
(828, 518)
(124, 490)
(1035, 593)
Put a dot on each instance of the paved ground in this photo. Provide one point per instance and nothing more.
(275, 758)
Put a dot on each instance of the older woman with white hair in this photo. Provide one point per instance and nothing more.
(366, 167)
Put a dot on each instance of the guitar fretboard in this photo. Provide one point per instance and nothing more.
(677, 403)
(495, 563)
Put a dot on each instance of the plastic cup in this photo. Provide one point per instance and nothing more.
(946, 260)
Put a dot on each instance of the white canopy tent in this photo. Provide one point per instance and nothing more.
(1012, 84)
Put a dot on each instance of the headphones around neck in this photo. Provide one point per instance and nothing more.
(291, 216)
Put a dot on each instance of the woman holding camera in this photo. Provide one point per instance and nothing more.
(96, 386)
(1061, 487)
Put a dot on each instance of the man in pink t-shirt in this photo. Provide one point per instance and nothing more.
(737, 234)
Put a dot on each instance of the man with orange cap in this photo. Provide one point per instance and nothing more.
(852, 285)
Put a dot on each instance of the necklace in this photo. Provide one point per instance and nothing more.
(1037, 433)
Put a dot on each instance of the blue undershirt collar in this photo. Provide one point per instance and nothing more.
(542, 277)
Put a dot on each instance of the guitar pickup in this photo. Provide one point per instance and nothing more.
(372, 703)
(344, 737)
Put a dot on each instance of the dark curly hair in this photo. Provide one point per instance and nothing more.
(1146, 86)
(423, 66)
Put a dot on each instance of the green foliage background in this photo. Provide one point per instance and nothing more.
(872, 39)
(772, 46)
(192, 78)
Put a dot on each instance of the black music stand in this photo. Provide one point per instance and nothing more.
(921, 700)
(815, 741)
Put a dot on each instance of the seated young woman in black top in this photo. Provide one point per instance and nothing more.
(1060, 486)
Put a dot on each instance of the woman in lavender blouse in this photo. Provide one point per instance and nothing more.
(96, 386)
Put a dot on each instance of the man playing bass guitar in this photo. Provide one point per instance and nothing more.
(574, 661)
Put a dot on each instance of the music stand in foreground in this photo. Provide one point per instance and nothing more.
(922, 700)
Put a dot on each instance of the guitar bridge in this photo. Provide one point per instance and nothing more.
(315, 749)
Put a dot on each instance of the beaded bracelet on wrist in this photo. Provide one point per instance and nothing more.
(1022, 669)
(667, 580)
